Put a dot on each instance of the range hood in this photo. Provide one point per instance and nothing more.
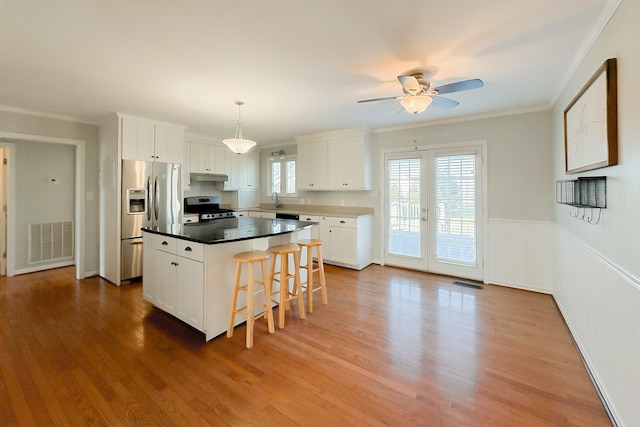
(209, 177)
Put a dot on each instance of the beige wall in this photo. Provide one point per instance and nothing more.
(598, 266)
(519, 181)
(618, 233)
(38, 199)
(518, 156)
(17, 123)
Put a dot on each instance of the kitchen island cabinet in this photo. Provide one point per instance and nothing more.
(189, 270)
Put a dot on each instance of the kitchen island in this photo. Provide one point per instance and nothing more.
(188, 270)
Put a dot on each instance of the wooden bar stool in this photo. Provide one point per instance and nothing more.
(310, 244)
(283, 276)
(250, 259)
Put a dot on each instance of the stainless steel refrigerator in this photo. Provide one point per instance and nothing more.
(151, 196)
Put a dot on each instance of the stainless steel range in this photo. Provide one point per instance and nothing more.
(207, 208)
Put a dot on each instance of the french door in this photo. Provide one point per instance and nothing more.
(434, 211)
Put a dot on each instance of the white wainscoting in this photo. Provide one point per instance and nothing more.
(521, 254)
(600, 302)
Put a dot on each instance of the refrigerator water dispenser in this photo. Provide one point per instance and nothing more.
(136, 201)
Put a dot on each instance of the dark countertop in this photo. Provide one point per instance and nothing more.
(229, 229)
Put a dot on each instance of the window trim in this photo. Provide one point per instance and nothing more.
(283, 166)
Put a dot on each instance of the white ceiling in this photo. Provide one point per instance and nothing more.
(299, 66)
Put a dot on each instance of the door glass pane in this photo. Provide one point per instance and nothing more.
(455, 196)
(404, 207)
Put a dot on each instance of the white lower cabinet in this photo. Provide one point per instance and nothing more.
(325, 236)
(343, 240)
(315, 234)
(173, 277)
(166, 281)
(190, 292)
(346, 241)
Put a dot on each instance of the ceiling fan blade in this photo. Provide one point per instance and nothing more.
(458, 86)
(396, 109)
(380, 99)
(409, 83)
(445, 103)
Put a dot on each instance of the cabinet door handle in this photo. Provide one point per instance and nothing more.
(164, 243)
(188, 249)
(342, 222)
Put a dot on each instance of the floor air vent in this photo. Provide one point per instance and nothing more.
(50, 241)
(468, 285)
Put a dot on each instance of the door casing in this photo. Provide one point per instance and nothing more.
(481, 146)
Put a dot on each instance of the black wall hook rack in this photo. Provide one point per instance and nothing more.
(585, 194)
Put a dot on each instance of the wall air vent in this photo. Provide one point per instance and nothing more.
(50, 241)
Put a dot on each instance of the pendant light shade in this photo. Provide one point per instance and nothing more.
(238, 144)
(416, 103)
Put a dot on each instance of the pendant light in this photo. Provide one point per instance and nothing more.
(238, 144)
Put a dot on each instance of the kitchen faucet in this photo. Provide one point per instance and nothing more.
(278, 205)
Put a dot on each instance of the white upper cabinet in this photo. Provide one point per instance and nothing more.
(339, 160)
(144, 139)
(248, 170)
(206, 158)
(169, 143)
(312, 165)
(137, 139)
(349, 164)
(231, 170)
(242, 170)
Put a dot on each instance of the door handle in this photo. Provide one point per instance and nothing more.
(188, 249)
(164, 243)
(148, 206)
(156, 192)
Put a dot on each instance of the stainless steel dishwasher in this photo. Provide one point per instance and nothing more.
(282, 215)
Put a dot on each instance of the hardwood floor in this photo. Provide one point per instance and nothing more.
(392, 347)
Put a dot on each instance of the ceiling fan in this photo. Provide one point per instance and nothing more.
(418, 93)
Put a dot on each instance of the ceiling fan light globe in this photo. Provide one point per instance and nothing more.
(239, 146)
(416, 104)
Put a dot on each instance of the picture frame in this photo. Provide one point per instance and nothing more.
(591, 122)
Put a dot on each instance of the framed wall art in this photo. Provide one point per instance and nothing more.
(591, 123)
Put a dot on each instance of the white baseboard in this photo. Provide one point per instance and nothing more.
(42, 268)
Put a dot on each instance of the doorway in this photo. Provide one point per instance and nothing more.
(7, 141)
(434, 211)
